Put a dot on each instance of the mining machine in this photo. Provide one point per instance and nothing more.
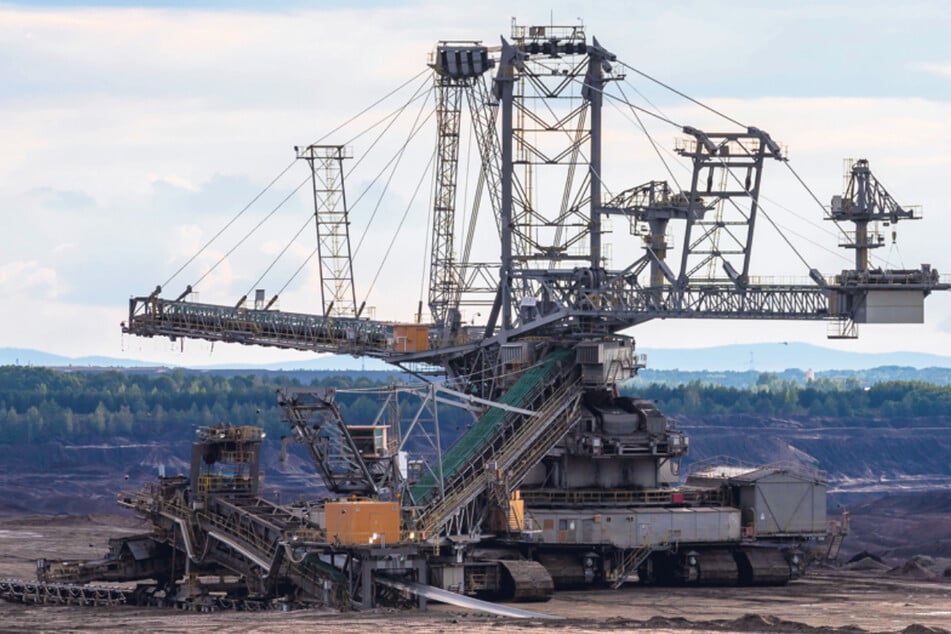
(559, 481)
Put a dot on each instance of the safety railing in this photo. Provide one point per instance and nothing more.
(618, 497)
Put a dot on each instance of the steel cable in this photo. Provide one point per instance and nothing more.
(279, 176)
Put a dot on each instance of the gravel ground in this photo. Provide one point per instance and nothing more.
(824, 601)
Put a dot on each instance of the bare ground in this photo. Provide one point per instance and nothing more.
(825, 601)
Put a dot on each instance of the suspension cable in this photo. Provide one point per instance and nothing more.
(281, 254)
(465, 186)
(685, 96)
(373, 105)
(279, 176)
(427, 246)
(229, 223)
(643, 96)
(395, 162)
(638, 108)
(651, 139)
(825, 212)
(837, 254)
(389, 248)
(785, 239)
(299, 268)
(393, 118)
(249, 233)
(429, 240)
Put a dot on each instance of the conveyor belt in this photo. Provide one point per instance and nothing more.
(22, 591)
(452, 598)
(152, 316)
(468, 448)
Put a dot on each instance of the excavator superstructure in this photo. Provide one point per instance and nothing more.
(559, 481)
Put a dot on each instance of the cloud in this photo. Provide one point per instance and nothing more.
(27, 277)
(172, 120)
(61, 199)
(942, 69)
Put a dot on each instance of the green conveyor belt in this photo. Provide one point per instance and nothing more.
(469, 444)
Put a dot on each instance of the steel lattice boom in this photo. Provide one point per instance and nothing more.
(558, 477)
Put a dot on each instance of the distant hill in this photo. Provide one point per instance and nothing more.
(748, 378)
(322, 363)
(333, 362)
(26, 356)
(760, 357)
(776, 357)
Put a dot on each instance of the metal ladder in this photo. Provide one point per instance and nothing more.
(519, 453)
(632, 560)
(529, 445)
(838, 529)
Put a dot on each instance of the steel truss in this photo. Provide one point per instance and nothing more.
(337, 293)
(551, 287)
(317, 424)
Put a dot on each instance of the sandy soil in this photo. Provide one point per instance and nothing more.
(825, 601)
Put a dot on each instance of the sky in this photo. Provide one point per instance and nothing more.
(133, 132)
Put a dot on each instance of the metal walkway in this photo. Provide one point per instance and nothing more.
(153, 316)
(508, 442)
(466, 452)
(246, 535)
(22, 591)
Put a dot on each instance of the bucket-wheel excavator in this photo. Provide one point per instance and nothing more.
(559, 481)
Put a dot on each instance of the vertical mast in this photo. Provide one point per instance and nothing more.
(337, 294)
(457, 67)
(503, 90)
(593, 92)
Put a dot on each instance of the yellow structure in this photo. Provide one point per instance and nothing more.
(511, 519)
(362, 522)
(410, 337)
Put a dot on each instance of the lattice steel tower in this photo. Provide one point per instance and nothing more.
(337, 295)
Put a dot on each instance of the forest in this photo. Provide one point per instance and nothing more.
(772, 395)
(42, 405)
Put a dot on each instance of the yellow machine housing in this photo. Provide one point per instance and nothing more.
(362, 522)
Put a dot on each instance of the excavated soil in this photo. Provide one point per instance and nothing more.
(826, 601)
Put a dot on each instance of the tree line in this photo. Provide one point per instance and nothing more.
(772, 395)
(40, 405)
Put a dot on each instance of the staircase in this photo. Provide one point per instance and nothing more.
(504, 441)
(549, 425)
(833, 553)
(838, 529)
(631, 562)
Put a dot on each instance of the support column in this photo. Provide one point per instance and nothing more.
(599, 60)
(596, 99)
(658, 238)
(503, 90)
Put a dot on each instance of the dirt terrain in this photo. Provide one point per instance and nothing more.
(886, 599)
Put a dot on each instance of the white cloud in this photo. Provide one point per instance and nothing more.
(940, 69)
(22, 278)
(132, 135)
